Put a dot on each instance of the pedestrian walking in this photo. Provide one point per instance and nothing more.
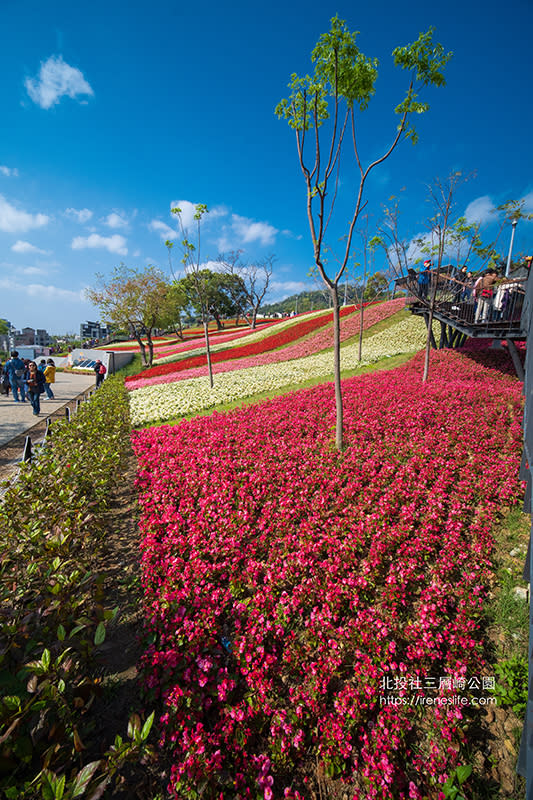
(50, 377)
(15, 369)
(35, 382)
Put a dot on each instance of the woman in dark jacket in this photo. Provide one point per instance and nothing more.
(35, 382)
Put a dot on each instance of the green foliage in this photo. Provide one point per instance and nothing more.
(138, 300)
(53, 618)
(453, 787)
(511, 689)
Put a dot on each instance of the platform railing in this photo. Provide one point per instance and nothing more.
(454, 299)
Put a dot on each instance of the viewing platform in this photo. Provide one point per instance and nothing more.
(461, 315)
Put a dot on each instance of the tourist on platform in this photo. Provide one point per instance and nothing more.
(50, 376)
(423, 281)
(484, 291)
(468, 287)
(15, 369)
(35, 382)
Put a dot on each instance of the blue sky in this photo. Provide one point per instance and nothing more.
(114, 111)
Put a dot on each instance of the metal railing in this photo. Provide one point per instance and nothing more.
(497, 316)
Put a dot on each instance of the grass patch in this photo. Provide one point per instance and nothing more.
(508, 615)
(134, 367)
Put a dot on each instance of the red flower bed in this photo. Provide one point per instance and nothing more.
(268, 343)
(299, 601)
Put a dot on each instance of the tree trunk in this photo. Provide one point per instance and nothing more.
(361, 315)
(150, 348)
(430, 328)
(217, 319)
(208, 349)
(339, 421)
(140, 342)
(179, 332)
(254, 318)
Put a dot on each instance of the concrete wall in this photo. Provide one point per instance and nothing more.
(86, 359)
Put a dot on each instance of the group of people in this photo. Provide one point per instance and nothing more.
(27, 379)
(493, 294)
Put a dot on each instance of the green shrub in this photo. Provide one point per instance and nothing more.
(52, 614)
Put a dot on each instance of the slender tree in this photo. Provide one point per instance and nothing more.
(193, 269)
(344, 79)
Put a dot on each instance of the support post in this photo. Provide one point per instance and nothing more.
(516, 360)
(26, 455)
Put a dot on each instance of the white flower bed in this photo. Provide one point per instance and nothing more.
(165, 401)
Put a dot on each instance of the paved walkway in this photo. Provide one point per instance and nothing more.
(16, 418)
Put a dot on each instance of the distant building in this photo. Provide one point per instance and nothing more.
(29, 337)
(93, 330)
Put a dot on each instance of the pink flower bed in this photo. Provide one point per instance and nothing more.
(313, 344)
(290, 590)
(216, 337)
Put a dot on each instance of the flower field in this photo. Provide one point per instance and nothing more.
(254, 354)
(151, 403)
(292, 591)
(258, 341)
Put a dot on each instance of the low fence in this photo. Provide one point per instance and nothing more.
(32, 445)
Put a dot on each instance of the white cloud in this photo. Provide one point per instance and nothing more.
(414, 250)
(33, 271)
(56, 79)
(12, 220)
(83, 215)
(282, 289)
(115, 243)
(42, 291)
(164, 231)
(115, 220)
(480, 210)
(528, 203)
(249, 231)
(136, 254)
(9, 171)
(26, 247)
(188, 210)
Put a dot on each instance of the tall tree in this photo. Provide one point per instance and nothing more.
(193, 269)
(137, 299)
(325, 102)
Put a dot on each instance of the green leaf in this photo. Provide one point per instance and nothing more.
(59, 787)
(45, 659)
(83, 778)
(99, 635)
(12, 702)
(463, 773)
(147, 727)
(61, 633)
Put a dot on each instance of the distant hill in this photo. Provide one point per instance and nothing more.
(307, 301)
(315, 300)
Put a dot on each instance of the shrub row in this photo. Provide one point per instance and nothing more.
(52, 613)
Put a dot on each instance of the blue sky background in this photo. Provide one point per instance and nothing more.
(113, 111)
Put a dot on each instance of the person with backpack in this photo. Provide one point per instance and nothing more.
(100, 372)
(15, 368)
